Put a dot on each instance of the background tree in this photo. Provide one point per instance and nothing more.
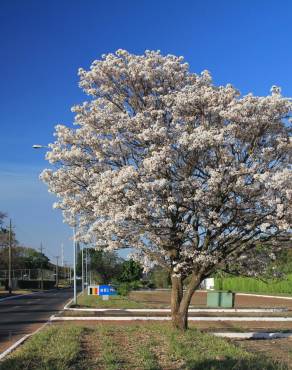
(105, 265)
(4, 232)
(23, 258)
(2, 217)
(159, 277)
(189, 174)
(130, 271)
(33, 259)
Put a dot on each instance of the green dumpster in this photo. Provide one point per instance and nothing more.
(220, 299)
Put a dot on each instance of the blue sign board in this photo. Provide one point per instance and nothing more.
(107, 290)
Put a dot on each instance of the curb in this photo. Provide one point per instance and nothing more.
(20, 341)
(27, 336)
(13, 347)
(191, 310)
(254, 335)
(66, 307)
(265, 296)
(166, 318)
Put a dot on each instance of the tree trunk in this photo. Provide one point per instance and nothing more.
(180, 302)
(176, 297)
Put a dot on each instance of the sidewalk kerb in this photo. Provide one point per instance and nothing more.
(253, 335)
(264, 296)
(163, 318)
(13, 347)
(21, 340)
(191, 310)
(24, 338)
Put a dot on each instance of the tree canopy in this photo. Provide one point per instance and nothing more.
(190, 174)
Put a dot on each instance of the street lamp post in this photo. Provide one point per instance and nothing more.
(39, 146)
(57, 272)
(74, 267)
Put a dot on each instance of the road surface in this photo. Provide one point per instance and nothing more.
(23, 315)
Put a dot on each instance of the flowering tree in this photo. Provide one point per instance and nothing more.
(190, 175)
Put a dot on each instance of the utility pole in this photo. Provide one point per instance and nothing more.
(10, 258)
(62, 255)
(42, 276)
(57, 272)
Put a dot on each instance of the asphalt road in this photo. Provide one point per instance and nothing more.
(23, 315)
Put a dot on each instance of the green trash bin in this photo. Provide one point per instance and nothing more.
(220, 299)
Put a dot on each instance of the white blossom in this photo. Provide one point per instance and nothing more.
(161, 160)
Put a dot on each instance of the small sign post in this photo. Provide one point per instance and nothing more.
(102, 290)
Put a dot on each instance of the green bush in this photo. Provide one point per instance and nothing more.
(124, 289)
(137, 284)
(245, 284)
(131, 271)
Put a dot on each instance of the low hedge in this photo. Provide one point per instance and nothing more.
(246, 284)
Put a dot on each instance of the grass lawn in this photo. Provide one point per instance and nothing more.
(133, 346)
(91, 301)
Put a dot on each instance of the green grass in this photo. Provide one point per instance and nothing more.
(213, 353)
(110, 354)
(151, 346)
(91, 301)
(54, 348)
(245, 284)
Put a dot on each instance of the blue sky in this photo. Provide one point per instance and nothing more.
(43, 43)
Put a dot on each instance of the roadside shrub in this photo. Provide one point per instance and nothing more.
(137, 284)
(124, 289)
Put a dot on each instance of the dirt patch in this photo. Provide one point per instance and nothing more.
(261, 302)
(199, 299)
(279, 350)
(89, 350)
